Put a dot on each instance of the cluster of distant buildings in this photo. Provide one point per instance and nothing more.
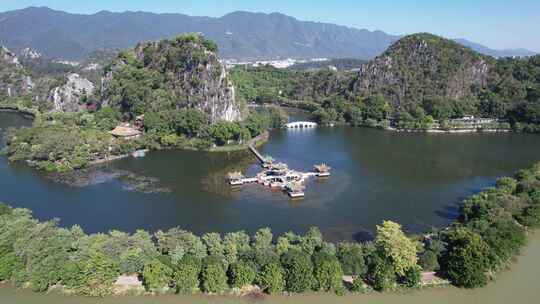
(278, 63)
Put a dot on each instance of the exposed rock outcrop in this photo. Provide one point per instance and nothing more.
(198, 76)
(14, 80)
(68, 98)
(190, 71)
(30, 54)
(8, 57)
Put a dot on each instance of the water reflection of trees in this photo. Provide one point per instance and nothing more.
(434, 159)
(216, 180)
(104, 174)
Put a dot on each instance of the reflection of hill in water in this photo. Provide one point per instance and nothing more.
(210, 169)
(11, 120)
(216, 180)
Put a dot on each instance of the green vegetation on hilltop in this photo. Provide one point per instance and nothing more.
(167, 76)
(490, 230)
(179, 87)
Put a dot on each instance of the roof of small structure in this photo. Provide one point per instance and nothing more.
(122, 131)
(235, 175)
(280, 166)
(322, 168)
(296, 187)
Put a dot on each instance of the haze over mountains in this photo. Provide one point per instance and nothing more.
(239, 35)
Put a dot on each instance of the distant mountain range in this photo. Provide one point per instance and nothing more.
(239, 35)
(495, 53)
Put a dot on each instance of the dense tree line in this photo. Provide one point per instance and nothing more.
(42, 254)
(190, 127)
(267, 84)
(490, 230)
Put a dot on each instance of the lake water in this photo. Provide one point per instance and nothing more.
(414, 179)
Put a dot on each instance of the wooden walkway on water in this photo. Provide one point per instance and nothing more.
(257, 154)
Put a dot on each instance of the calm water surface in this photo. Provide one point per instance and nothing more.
(415, 179)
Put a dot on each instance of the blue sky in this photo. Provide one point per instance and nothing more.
(495, 23)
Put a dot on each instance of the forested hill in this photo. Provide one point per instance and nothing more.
(161, 77)
(424, 66)
(240, 35)
(443, 79)
(419, 78)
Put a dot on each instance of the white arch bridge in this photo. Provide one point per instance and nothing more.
(301, 124)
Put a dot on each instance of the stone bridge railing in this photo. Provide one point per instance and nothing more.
(301, 124)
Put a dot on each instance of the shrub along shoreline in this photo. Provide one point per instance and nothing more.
(490, 230)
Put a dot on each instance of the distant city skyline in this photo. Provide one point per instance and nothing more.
(495, 23)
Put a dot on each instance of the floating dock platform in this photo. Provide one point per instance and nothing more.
(277, 175)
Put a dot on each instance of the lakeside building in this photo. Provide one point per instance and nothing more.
(468, 122)
(125, 132)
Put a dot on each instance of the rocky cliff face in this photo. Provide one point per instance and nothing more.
(424, 65)
(69, 97)
(14, 80)
(188, 71)
(30, 54)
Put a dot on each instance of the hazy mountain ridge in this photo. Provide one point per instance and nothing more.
(241, 35)
(520, 52)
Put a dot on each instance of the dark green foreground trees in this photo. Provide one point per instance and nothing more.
(491, 229)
